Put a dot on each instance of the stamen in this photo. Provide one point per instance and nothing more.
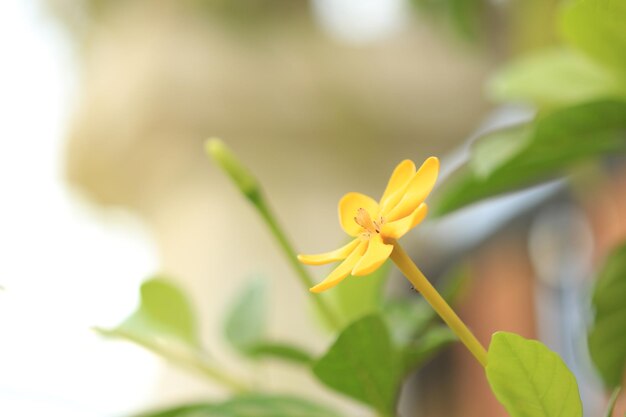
(364, 220)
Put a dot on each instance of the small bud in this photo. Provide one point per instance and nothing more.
(240, 175)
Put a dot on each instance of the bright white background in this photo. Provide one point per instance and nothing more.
(64, 266)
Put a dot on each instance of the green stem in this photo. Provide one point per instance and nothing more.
(251, 189)
(612, 401)
(292, 258)
(187, 360)
(218, 375)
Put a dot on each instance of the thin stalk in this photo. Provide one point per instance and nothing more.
(251, 189)
(292, 258)
(421, 283)
(612, 402)
(190, 361)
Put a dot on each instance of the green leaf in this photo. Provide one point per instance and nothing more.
(529, 379)
(363, 364)
(607, 336)
(252, 405)
(164, 312)
(554, 77)
(597, 28)
(360, 296)
(427, 346)
(244, 326)
(282, 351)
(535, 153)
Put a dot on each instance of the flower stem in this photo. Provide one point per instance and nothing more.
(251, 189)
(192, 361)
(421, 283)
(292, 257)
(612, 401)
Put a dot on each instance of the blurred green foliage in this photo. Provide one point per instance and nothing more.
(607, 335)
(465, 17)
(254, 405)
(596, 27)
(548, 148)
(580, 92)
(555, 77)
(245, 325)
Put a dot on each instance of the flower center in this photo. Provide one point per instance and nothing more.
(364, 220)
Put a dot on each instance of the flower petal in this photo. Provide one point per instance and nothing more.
(343, 270)
(376, 254)
(418, 189)
(398, 181)
(348, 206)
(328, 257)
(397, 229)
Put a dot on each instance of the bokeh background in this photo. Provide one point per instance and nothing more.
(106, 106)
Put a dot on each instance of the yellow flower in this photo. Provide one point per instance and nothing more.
(375, 226)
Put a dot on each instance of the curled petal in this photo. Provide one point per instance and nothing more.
(397, 229)
(343, 270)
(348, 206)
(328, 257)
(376, 254)
(418, 189)
(400, 178)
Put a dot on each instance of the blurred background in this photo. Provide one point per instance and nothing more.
(106, 108)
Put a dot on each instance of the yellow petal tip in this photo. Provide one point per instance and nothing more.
(433, 160)
(319, 288)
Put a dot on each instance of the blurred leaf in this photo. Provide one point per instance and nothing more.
(427, 346)
(529, 379)
(409, 318)
(607, 336)
(165, 324)
(164, 312)
(465, 17)
(551, 145)
(252, 405)
(497, 148)
(555, 77)
(244, 327)
(363, 364)
(360, 296)
(283, 351)
(597, 28)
